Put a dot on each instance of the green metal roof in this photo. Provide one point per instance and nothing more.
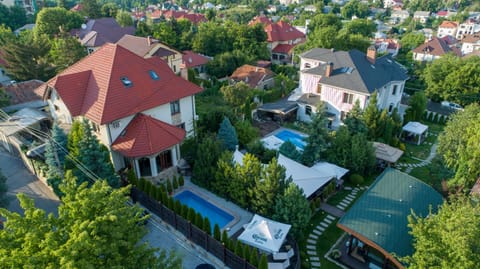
(380, 214)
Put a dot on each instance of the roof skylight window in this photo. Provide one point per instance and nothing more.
(153, 75)
(126, 82)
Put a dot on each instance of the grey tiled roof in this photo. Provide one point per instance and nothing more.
(363, 76)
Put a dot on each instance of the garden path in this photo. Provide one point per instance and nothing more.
(333, 212)
(427, 161)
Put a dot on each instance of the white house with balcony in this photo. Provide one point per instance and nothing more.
(340, 78)
(139, 108)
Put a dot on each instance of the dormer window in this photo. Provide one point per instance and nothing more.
(153, 75)
(126, 82)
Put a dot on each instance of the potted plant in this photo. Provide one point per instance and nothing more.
(336, 254)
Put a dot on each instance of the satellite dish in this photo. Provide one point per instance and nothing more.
(84, 26)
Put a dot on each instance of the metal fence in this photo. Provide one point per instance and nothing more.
(191, 232)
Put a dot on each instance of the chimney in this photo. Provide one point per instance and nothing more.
(149, 40)
(371, 54)
(184, 73)
(329, 70)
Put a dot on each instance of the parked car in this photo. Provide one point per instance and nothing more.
(452, 105)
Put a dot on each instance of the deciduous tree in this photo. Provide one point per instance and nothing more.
(50, 21)
(86, 234)
(124, 18)
(65, 51)
(454, 79)
(459, 146)
(447, 239)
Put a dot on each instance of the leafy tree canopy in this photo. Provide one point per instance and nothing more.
(355, 8)
(86, 234)
(459, 147)
(50, 21)
(453, 79)
(448, 239)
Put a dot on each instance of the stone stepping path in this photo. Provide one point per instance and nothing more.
(422, 163)
(312, 241)
(324, 224)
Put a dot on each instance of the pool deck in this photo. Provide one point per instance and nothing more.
(272, 142)
(241, 216)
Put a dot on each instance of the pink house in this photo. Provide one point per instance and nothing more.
(340, 78)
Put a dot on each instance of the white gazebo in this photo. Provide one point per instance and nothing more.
(414, 129)
(265, 234)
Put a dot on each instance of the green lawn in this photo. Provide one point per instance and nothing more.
(324, 242)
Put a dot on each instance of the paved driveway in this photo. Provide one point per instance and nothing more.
(20, 180)
(162, 236)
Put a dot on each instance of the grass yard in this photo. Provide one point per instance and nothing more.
(324, 242)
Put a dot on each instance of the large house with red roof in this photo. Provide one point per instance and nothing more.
(139, 108)
(281, 38)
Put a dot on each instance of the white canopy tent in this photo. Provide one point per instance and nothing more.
(414, 128)
(330, 169)
(265, 234)
(306, 178)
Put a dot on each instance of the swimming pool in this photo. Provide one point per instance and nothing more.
(205, 208)
(296, 139)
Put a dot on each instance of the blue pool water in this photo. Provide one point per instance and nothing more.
(296, 139)
(205, 208)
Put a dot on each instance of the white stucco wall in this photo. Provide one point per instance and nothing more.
(58, 110)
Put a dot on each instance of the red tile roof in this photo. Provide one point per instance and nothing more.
(283, 48)
(191, 59)
(146, 135)
(93, 87)
(25, 91)
(282, 31)
(260, 19)
(251, 75)
(448, 24)
(195, 18)
(77, 7)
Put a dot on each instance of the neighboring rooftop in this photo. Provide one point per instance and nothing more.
(282, 31)
(113, 83)
(251, 75)
(437, 47)
(448, 24)
(380, 214)
(97, 32)
(143, 46)
(352, 70)
(191, 59)
(23, 92)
